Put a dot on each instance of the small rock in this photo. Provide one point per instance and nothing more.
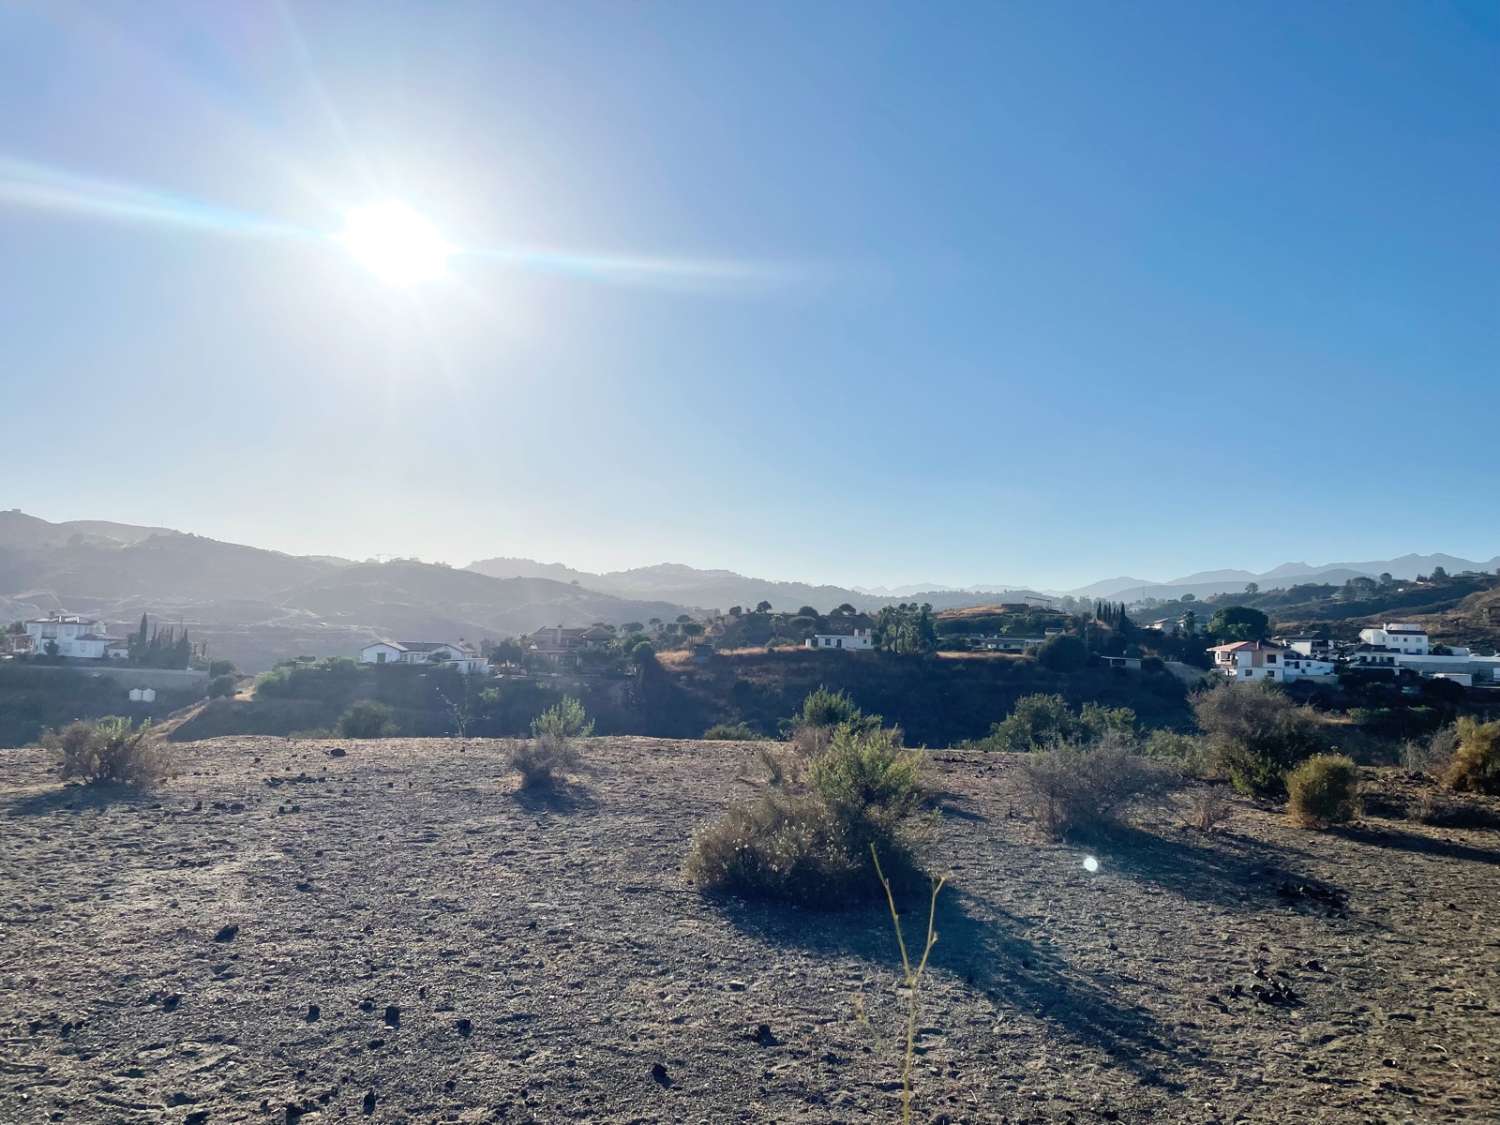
(765, 1037)
(337, 752)
(228, 933)
(197, 1117)
(313, 1012)
(735, 986)
(369, 1102)
(464, 1027)
(392, 1016)
(659, 1075)
(169, 1003)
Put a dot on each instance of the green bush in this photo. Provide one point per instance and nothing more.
(813, 847)
(1078, 788)
(1476, 762)
(1257, 734)
(823, 709)
(221, 686)
(1189, 753)
(565, 719)
(1040, 721)
(221, 668)
(1323, 790)
(1063, 653)
(733, 732)
(107, 752)
(368, 718)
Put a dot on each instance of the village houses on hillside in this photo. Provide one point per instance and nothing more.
(460, 655)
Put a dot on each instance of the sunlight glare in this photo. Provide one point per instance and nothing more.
(396, 243)
(1090, 864)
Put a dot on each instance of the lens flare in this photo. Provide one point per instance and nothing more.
(1090, 864)
(396, 243)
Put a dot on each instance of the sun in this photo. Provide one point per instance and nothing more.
(395, 243)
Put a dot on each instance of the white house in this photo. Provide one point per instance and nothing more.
(74, 636)
(1398, 637)
(461, 655)
(1262, 660)
(858, 641)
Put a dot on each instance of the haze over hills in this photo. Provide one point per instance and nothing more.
(720, 589)
(255, 605)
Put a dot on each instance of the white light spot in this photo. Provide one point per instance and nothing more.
(1090, 864)
(396, 243)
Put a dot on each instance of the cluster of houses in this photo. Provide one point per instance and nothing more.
(458, 655)
(1393, 647)
(68, 635)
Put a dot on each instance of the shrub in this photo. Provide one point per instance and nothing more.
(814, 847)
(733, 732)
(1476, 762)
(826, 709)
(1063, 653)
(563, 720)
(221, 668)
(1040, 721)
(1191, 754)
(1208, 806)
(107, 752)
(1078, 788)
(1257, 734)
(1323, 790)
(368, 718)
(221, 686)
(540, 760)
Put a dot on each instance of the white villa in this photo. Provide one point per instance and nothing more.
(76, 637)
(460, 656)
(1410, 640)
(1262, 660)
(860, 640)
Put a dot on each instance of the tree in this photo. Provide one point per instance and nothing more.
(1239, 623)
(1386, 579)
(1189, 597)
(762, 607)
(1252, 589)
(1189, 622)
(1439, 574)
(1063, 653)
(736, 611)
(808, 611)
(845, 610)
(908, 629)
(631, 627)
(683, 618)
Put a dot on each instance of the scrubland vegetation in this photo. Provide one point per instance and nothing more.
(108, 752)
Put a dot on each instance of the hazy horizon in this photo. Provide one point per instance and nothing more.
(864, 295)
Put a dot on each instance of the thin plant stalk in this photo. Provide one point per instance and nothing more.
(912, 980)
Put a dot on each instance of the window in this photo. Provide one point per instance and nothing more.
(380, 658)
(1270, 658)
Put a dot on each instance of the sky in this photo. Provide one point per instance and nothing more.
(849, 292)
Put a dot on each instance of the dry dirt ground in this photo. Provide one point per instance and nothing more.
(416, 943)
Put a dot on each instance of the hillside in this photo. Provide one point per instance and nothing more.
(255, 606)
(395, 935)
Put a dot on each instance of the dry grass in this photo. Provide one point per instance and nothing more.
(540, 762)
(108, 752)
(1208, 806)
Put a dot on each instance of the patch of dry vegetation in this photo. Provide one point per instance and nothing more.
(1079, 788)
(1323, 791)
(552, 749)
(1476, 761)
(108, 752)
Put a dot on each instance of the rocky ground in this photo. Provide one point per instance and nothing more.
(280, 933)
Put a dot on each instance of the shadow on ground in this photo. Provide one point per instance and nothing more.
(76, 799)
(1421, 845)
(983, 945)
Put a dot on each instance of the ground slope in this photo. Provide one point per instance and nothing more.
(405, 875)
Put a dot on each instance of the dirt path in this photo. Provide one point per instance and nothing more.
(549, 963)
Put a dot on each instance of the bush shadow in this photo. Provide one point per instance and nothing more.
(564, 798)
(77, 799)
(1221, 869)
(1420, 844)
(980, 944)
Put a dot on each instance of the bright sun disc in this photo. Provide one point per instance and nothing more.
(395, 243)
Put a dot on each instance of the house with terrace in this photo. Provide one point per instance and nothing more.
(460, 656)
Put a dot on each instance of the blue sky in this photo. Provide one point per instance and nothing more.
(847, 292)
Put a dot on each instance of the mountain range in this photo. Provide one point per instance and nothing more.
(255, 605)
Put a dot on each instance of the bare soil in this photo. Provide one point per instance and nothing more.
(279, 934)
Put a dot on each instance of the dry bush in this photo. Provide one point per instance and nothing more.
(541, 761)
(108, 752)
(785, 768)
(1079, 788)
(1208, 806)
(813, 847)
(1476, 763)
(1323, 790)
